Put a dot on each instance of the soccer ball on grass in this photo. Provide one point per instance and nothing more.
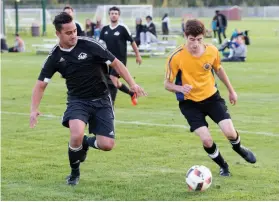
(198, 178)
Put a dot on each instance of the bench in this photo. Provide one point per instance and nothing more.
(43, 48)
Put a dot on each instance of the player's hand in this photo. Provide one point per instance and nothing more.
(34, 118)
(185, 89)
(138, 60)
(138, 90)
(233, 97)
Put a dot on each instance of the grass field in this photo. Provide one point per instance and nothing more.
(154, 147)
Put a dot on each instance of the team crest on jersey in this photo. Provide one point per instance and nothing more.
(116, 33)
(207, 66)
(106, 32)
(82, 56)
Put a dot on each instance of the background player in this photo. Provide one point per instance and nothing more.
(70, 11)
(116, 36)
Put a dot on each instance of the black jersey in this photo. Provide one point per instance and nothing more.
(82, 66)
(116, 40)
(79, 30)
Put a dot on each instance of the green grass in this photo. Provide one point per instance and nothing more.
(149, 162)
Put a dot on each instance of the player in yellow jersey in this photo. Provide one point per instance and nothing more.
(189, 74)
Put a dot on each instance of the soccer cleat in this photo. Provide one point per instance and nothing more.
(134, 99)
(85, 148)
(224, 171)
(72, 179)
(246, 154)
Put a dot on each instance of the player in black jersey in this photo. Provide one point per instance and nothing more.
(116, 36)
(83, 63)
(70, 11)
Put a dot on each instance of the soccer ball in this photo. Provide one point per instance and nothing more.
(198, 178)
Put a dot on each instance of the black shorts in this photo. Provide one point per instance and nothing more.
(195, 112)
(98, 114)
(115, 73)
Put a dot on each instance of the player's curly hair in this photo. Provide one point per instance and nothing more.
(114, 8)
(194, 27)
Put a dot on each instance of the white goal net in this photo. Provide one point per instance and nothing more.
(128, 13)
(26, 17)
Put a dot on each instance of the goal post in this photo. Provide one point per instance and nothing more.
(2, 18)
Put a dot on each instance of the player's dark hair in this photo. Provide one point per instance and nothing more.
(114, 8)
(68, 7)
(194, 27)
(60, 19)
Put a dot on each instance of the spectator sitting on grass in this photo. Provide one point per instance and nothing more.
(19, 45)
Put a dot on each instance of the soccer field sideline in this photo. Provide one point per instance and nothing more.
(147, 124)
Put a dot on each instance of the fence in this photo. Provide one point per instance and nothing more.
(260, 12)
(256, 11)
(88, 11)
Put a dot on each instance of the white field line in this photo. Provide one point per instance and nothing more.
(148, 124)
(39, 63)
(173, 114)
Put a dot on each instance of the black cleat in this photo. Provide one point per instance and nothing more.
(72, 179)
(85, 148)
(246, 154)
(224, 171)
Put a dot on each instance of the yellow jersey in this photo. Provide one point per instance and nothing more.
(184, 68)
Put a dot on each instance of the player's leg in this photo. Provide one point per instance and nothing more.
(142, 38)
(215, 33)
(101, 142)
(218, 112)
(102, 125)
(219, 35)
(75, 117)
(212, 150)
(119, 85)
(196, 119)
(113, 92)
(224, 32)
(114, 76)
(153, 38)
(75, 150)
(232, 135)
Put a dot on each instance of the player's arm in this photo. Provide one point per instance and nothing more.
(125, 74)
(170, 86)
(171, 72)
(123, 71)
(46, 73)
(136, 50)
(37, 95)
(221, 73)
(107, 57)
(129, 37)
